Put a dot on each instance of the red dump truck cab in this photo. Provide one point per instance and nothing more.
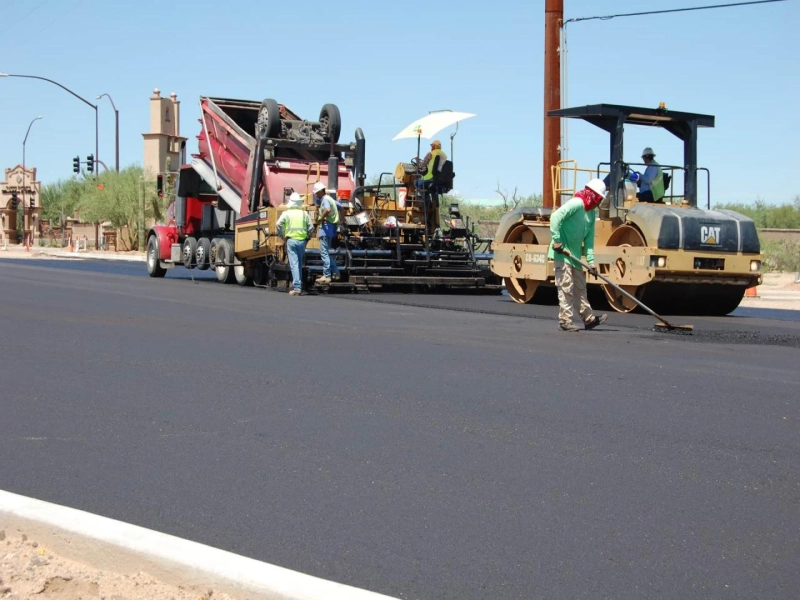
(250, 155)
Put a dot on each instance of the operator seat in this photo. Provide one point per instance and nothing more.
(442, 181)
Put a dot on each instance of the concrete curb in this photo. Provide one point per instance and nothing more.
(125, 548)
(98, 256)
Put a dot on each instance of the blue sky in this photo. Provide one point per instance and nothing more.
(386, 65)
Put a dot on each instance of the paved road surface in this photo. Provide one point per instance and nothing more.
(421, 453)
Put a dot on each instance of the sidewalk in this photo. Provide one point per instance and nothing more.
(19, 252)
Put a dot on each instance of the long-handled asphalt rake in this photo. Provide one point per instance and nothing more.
(664, 325)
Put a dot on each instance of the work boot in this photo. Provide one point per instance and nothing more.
(323, 280)
(295, 293)
(595, 321)
(568, 327)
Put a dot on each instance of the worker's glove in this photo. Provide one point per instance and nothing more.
(634, 176)
(558, 247)
(592, 270)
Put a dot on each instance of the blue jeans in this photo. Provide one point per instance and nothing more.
(296, 249)
(423, 185)
(329, 266)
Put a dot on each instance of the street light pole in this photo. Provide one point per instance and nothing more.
(24, 199)
(82, 99)
(116, 118)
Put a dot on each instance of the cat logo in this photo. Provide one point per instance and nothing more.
(709, 235)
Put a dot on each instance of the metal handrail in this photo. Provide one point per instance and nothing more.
(556, 173)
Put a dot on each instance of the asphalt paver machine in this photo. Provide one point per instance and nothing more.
(252, 156)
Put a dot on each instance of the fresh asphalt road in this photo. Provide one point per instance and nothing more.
(413, 451)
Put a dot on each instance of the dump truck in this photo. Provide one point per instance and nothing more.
(672, 255)
(253, 155)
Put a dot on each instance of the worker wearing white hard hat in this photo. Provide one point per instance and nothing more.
(328, 226)
(295, 227)
(572, 229)
(651, 183)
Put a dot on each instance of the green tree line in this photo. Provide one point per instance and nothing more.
(122, 199)
(769, 216)
(782, 254)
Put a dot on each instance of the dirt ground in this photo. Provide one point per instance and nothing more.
(29, 570)
(778, 291)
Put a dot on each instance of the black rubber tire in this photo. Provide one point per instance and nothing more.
(269, 118)
(224, 257)
(212, 252)
(154, 268)
(260, 272)
(202, 253)
(189, 252)
(242, 275)
(331, 118)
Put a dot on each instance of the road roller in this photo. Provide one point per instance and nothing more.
(673, 254)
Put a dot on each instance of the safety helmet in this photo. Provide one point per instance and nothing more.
(295, 200)
(436, 144)
(318, 187)
(648, 152)
(597, 186)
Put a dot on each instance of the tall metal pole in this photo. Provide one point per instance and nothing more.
(553, 17)
(116, 138)
(24, 199)
(65, 88)
(116, 119)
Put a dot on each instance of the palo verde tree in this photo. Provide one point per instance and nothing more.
(122, 200)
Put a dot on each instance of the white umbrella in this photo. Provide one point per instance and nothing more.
(431, 124)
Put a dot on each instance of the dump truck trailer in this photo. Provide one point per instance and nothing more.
(252, 156)
(672, 255)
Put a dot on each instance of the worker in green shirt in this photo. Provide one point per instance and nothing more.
(572, 229)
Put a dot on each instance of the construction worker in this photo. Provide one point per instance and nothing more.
(328, 224)
(426, 167)
(295, 227)
(651, 182)
(572, 229)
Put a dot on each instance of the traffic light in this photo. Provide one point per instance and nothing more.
(76, 164)
(14, 200)
(90, 163)
(160, 185)
(32, 202)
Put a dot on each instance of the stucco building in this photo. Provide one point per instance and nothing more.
(28, 190)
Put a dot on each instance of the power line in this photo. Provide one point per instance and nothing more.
(671, 10)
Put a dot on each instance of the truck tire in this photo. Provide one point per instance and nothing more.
(154, 268)
(260, 272)
(331, 120)
(188, 252)
(269, 118)
(242, 275)
(225, 257)
(203, 253)
(212, 253)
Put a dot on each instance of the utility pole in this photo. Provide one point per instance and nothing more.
(553, 18)
(140, 232)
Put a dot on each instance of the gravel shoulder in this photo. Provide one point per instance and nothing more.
(32, 570)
